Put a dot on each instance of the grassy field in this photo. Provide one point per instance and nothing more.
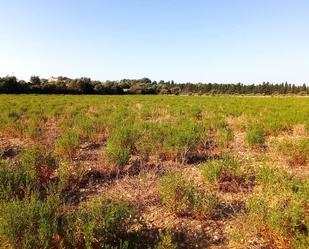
(154, 172)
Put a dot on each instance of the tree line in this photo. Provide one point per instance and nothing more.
(64, 85)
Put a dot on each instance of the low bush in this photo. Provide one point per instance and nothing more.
(103, 221)
(34, 130)
(29, 223)
(255, 136)
(183, 199)
(213, 170)
(281, 205)
(166, 242)
(224, 137)
(227, 176)
(182, 138)
(296, 151)
(120, 145)
(15, 182)
(67, 144)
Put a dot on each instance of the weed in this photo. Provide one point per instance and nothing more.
(103, 221)
(166, 242)
(182, 198)
(28, 224)
(120, 145)
(67, 144)
(255, 136)
(224, 137)
(296, 151)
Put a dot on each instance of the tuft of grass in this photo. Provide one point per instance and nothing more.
(68, 143)
(255, 136)
(103, 220)
(28, 224)
(213, 170)
(31, 172)
(281, 206)
(182, 138)
(182, 198)
(166, 242)
(120, 145)
(224, 137)
(296, 151)
(226, 175)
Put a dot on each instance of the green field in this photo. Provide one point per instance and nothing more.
(154, 171)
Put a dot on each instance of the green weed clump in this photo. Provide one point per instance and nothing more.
(67, 144)
(224, 137)
(15, 182)
(226, 175)
(120, 145)
(296, 151)
(46, 223)
(182, 138)
(182, 198)
(29, 223)
(32, 172)
(213, 170)
(102, 221)
(255, 137)
(166, 242)
(281, 205)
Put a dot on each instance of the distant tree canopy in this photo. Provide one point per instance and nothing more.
(64, 85)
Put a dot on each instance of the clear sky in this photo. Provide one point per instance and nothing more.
(247, 41)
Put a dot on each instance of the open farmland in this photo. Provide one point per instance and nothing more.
(154, 172)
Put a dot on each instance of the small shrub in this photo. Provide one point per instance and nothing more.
(224, 137)
(296, 151)
(103, 221)
(34, 130)
(182, 138)
(120, 145)
(255, 137)
(118, 155)
(212, 170)
(280, 206)
(227, 176)
(182, 198)
(68, 143)
(28, 224)
(15, 182)
(31, 172)
(265, 175)
(166, 242)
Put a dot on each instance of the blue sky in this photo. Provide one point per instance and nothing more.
(247, 41)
